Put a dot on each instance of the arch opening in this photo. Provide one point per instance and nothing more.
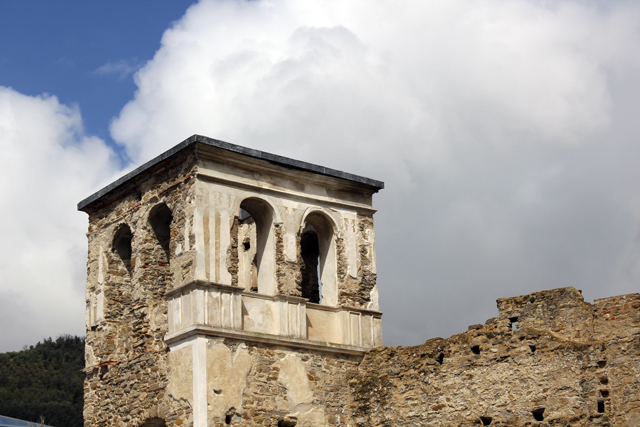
(310, 251)
(160, 219)
(256, 247)
(122, 245)
(319, 272)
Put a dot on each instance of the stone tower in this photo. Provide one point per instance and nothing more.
(228, 286)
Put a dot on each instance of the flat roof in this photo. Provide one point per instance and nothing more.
(273, 158)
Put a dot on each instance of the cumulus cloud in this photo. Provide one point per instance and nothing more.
(47, 165)
(504, 131)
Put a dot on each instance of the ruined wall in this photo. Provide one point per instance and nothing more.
(172, 236)
(548, 359)
(360, 291)
(253, 384)
(126, 357)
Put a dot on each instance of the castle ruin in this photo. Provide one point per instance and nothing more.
(228, 286)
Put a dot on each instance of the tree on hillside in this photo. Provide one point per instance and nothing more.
(44, 381)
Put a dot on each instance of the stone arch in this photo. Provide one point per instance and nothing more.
(318, 232)
(261, 242)
(236, 206)
(122, 245)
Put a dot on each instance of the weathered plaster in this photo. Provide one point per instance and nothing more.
(226, 377)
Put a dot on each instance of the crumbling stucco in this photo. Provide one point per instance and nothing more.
(226, 377)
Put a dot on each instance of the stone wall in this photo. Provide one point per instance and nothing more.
(176, 224)
(126, 356)
(253, 384)
(548, 359)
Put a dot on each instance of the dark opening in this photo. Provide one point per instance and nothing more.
(604, 380)
(601, 406)
(318, 262)
(538, 414)
(533, 348)
(154, 422)
(440, 358)
(475, 349)
(246, 244)
(310, 249)
(514, 323)
(122, 245)
(103, 371)
(486, 420)
(604, 393)
(228, 417)
(160, 220)
(602, 363)
(288, 422)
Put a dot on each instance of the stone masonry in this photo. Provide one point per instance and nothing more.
(201, 309)
(226, 286)
(549, 359)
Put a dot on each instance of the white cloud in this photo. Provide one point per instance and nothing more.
(122, 68)
(504, 132)
(47, 165)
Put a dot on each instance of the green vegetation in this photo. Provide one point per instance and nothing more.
(44, 381)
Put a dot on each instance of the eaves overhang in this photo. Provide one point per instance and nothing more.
(272, 158)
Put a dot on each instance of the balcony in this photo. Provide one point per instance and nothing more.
(205, 308)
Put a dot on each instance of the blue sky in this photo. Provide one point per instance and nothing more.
(506, 134)
(58, 47)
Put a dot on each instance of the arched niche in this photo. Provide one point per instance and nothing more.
(122, 245)
(258, 241)
(160, 219)
(318, 250)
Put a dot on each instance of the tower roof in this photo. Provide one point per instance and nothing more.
(272, 158)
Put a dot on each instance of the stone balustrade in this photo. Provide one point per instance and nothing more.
(229, 311)
(206, 304)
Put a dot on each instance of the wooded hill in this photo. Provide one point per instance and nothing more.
(44, 381)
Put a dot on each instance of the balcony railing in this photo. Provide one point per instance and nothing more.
(229, 311)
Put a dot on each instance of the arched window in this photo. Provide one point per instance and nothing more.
(256, 246)
(122, 245)
(160, 219)
(310, 251)
(317, 244)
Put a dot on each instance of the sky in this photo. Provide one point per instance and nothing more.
(506, 134)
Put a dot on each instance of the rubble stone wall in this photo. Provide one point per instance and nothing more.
(127, 367)
(133, 378)
(548, 359)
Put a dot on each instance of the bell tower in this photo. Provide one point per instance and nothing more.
(228, 286)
